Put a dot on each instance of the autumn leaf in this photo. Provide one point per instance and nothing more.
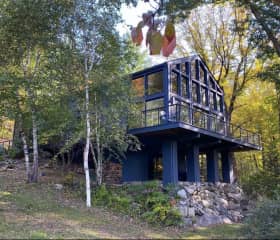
(137, 35)
(168, 46)
(155, 43)
(169, 32)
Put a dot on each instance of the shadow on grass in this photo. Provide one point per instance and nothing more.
(225, 231)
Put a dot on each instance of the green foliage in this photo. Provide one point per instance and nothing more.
(264, 222)
(13, 152)
(263, 184)
(105, 197)
(69, 179)
(146, 201)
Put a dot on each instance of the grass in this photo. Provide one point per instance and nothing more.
(39, 211)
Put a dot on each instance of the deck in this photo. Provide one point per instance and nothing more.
(185, 121)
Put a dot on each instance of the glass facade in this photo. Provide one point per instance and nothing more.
(138, 86)
(155, 83)
(195, 92)
(174, 82)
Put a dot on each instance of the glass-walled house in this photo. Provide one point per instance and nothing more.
(180, 119)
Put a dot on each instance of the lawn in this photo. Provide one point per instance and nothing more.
(41, 211)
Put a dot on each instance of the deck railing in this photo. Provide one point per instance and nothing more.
(196, 118)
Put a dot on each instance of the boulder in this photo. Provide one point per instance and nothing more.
(221, 201)
(233, 206)
(182, 194)
(236, 197)
(188, 221)
(206, 203)
(226, 220)
(58, 186)
(190, 189)
(183, 211)
(208, 220)
(191, 212)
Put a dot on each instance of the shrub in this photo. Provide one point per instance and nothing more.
(263, 184)
(264, 222)
(146, 201)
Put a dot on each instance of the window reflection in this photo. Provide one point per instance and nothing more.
(138, 85)
(195, 92)
(219, 103)
(157, 103)
(154, 112)
(155, 83)
(183, 68)
(204, 96)
(201, 74)
(184, 89)
(174, 82)
(212, 100)
(193, 70)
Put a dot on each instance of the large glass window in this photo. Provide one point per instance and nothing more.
(204, 96)
(174, 82)
(183, 68)
(155, 83)
(201, 74)
(213, 100)
(193, 69)
(157, 103)
(195, 92)
(138, 85)
(184, 89)
(219, 103)
(155, 114)
(212, 83)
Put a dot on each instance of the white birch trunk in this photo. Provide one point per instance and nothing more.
(24, 141)
(26, 155)
(86, 149)
(35, 168)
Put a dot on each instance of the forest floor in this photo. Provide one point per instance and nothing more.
(41, 211)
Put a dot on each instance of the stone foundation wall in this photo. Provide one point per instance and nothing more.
(204, 204)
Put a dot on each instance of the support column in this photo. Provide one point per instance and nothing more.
(227, 168)
(212, 166)
(193, 170)
(135, 167)
(170, 162)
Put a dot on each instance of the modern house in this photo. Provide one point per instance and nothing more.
(182, 125)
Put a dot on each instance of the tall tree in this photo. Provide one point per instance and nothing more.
(28, 29)
(94, 38)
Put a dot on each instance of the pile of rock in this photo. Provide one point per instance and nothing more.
(112, 172)
(204, 204)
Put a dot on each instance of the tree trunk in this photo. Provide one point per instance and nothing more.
(35, 168)
(86, 149)
(266, 28)
(23, 139)
(26, 155)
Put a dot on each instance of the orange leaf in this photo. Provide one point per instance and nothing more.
(155, 43)
(137, 35)
(168, 46)
(169, 31)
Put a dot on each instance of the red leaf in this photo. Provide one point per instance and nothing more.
(168, 46)
(137, 35)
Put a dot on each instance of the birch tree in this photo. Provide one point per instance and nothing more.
(91, 19)
(28, 29)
